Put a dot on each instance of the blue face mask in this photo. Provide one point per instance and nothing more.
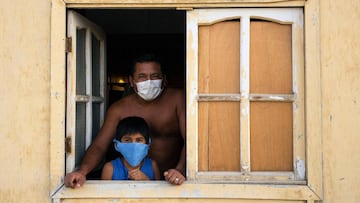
(134, 152)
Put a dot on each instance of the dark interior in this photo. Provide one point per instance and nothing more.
(133, 32)
(130, 33)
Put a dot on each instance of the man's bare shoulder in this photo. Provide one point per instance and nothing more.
(122, 104)
(172, 96)
(171, 92)
(124, 101)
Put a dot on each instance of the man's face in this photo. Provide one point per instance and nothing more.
(147, 71)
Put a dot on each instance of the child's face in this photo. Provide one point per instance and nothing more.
(137, 137)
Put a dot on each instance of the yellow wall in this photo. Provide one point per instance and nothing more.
(25, 97)
(24, 100)
(340, 68)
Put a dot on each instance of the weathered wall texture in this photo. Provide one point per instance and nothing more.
(24, 100)
(340, 64)
(25, 111)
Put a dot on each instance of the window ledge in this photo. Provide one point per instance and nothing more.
(190, 189)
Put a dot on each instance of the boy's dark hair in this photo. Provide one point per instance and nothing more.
(149, 57)
(132, 125)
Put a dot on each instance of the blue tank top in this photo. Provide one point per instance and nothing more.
(120, 172)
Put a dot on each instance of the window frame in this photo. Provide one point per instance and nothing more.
(77, 22)
(310, 192)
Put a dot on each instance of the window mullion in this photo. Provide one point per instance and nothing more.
(244, 91)
(102, 80)
(88, 88)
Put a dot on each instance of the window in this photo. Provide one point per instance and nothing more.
(216, 178)
(85, 86)
(247, 95)
(88, 66)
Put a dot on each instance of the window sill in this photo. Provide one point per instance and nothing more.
(189, 190)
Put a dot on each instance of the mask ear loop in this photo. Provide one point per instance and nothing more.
(116, 142)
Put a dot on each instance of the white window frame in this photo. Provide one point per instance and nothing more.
(76, 22)
(310, 192)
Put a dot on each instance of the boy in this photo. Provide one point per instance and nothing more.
(132, 141)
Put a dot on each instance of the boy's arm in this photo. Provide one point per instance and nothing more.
(107, 171)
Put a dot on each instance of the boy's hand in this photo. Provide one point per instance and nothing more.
(137, 174)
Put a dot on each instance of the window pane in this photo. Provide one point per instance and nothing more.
(219, 136)
(219, 61)
(270, 58)
(95, 66)
(80, 62)
(271, 136)
(80, 132)
(96, 119)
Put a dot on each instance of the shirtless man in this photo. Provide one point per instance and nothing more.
(164, 111)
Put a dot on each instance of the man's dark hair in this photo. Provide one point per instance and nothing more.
(149, 57)
(132, 125)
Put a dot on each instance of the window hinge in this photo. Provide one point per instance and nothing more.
(68, 44)
(68, 144)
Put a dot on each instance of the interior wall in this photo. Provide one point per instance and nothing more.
(123, 48)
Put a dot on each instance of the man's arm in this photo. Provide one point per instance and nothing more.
(182, 124)
(95, 152)
(177, 176)
(91, 159)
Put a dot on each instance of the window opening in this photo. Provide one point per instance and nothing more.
(129, 33)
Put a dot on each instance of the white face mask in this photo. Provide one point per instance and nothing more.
(149, 89)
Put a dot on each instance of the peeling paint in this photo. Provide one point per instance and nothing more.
(300, 169)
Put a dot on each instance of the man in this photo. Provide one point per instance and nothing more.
(164, 111)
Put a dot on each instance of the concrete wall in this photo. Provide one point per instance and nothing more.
(25, 94)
